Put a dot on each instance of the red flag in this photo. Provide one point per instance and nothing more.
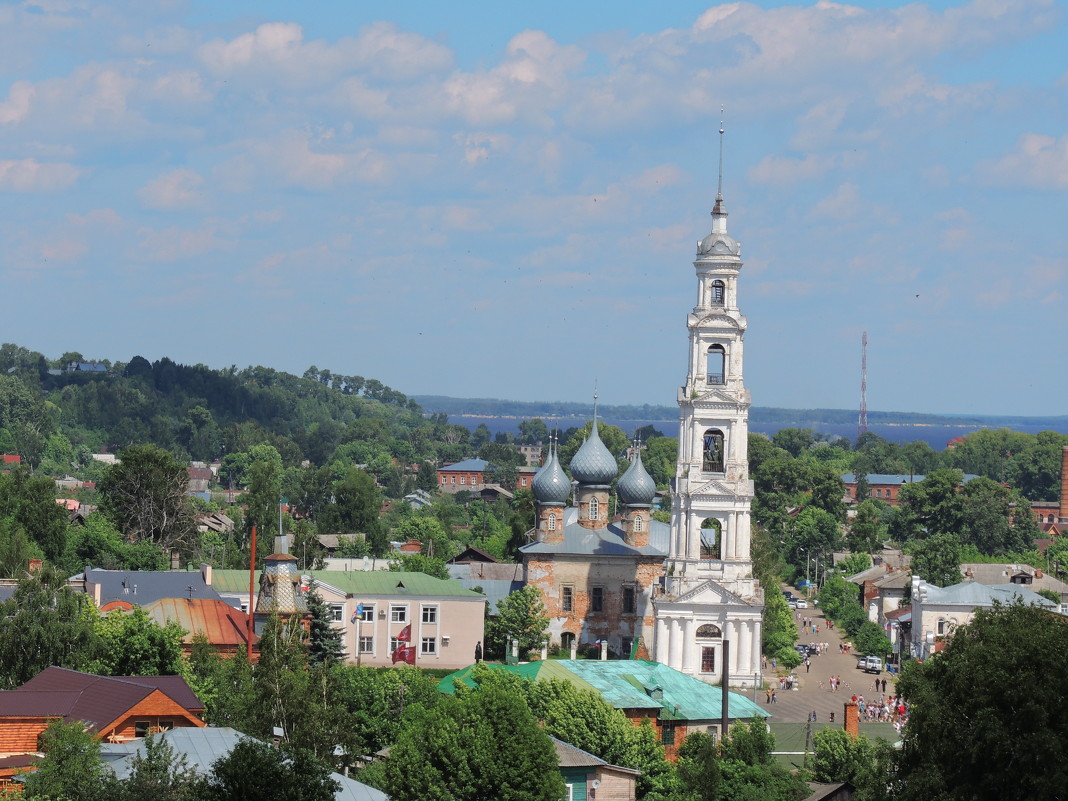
(405, 634)
(404, 653)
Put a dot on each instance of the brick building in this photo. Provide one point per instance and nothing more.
(466, 475)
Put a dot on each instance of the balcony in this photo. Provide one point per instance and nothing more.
(717, 378)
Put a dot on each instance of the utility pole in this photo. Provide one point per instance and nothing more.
(862, 420)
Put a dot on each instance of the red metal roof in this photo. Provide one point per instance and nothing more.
(221, 623)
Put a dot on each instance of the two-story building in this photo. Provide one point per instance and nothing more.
(469, 474)
(372, 609)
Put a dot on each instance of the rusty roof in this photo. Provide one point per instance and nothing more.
(221, 623)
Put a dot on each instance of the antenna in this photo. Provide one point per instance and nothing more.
(862, 420)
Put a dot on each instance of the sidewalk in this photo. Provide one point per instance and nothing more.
(797, 705)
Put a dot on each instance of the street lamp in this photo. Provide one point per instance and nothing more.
(808, 557)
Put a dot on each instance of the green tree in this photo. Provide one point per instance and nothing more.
(698, 768)
(356, 510)
(520, 616)
(264, 490)
(841, 757)
(325, 645)
(29, 503)
(256, 771)
(988, 720)
(71, 769)
(144, 497)
(486, 744)
(870, 640)
(794, 441)
(428, 531)
(867, 533)
(748, 771)
(130, 643)
(420, 563)
(780, 629)
(375, 699)
(157, 773)
(44, 623)
(936, 559)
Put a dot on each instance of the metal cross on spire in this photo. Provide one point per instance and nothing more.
(719, 187)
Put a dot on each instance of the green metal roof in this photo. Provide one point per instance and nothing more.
(627, 684)
(379, 583)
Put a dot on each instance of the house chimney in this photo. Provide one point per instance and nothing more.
(205, 571)
(34, 566)
(851, 721)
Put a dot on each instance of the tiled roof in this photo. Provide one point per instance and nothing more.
(627, 684)
(884, 479)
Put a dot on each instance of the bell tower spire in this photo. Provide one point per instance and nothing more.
(710, 593)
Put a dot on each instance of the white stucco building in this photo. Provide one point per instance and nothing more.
(709, 594)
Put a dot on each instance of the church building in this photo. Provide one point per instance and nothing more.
(682, 594)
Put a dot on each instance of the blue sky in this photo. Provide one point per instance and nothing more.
(502, 200)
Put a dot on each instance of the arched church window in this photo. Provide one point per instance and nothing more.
(595, 509)
(552, 522)
(719, 292)
(716, 366)
(710, 538)
(638, 523)
(712, 458)
(709, 630)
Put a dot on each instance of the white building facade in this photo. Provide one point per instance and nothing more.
(709, 594)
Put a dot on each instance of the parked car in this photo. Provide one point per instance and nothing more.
(870, 664)
(801, 604)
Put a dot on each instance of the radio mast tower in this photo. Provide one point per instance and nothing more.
(862, 420)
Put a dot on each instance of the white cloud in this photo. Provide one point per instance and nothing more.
(774, 169)
(177, 189)
(1038, 161)
(17, 105)
(842, 204)
(31, 175)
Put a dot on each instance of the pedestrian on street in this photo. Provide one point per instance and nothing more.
(767, 691)
(808, 665)
(773, 696)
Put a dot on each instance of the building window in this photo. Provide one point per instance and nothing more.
(337, 612)
(552, 522)
(244, 607)
(367, 645)
(597, 599)
(708, 660)
(165, 725)
(368, 615)
(716, 365)
(941, 625)
(718, 293)
(141, 728)
(595, 509)
(712, 459)
(444, 480)
(567, 639)
(628, 600)
(567, 598)
(638, 523)
(394, 644)
(430, 614)
(709, 631)
(398, 614)
(452, 479)
(463, 479)
(667, 732)
(627, 645)
(429, 645)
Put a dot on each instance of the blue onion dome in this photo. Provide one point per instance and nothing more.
(636, 487)
(551, 484)
(594, 463)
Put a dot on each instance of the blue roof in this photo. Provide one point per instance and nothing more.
(202, 747)
(607, 541)
(474, 465)
(890, 478)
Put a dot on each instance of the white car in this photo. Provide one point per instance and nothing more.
(801, 604)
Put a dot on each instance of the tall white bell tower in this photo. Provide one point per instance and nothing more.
(710, 595)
